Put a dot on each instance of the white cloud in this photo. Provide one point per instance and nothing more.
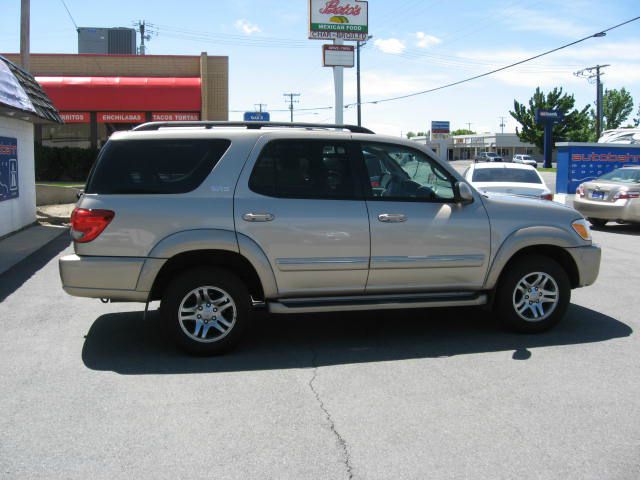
(390, 45)
(246, 27)
(426, 41)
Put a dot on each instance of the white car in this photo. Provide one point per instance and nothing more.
(525, 160)
(508, 178)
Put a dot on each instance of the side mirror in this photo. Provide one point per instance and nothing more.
(465, 194)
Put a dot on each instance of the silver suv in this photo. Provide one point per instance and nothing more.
(216, 219)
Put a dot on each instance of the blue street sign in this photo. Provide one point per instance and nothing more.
(9, 186)
(256, 116)
(548, 116)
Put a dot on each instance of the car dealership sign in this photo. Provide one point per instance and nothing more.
(345, 19)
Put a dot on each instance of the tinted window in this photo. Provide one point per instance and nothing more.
(511, 175)
(154, 166)
(401, 173)
(304, 169)
(625, 175)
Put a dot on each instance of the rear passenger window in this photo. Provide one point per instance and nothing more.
(304, 169)
(154, 166)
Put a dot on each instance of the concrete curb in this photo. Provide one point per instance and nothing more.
(18, 246)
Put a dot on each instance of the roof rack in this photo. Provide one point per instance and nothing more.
(250, 125)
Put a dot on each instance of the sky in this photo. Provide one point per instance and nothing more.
(416, 45)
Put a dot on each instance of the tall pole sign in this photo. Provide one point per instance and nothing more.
(338, 20)
(548, 118)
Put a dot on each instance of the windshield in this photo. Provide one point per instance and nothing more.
(625, 175)
(510, 175)
(526, 157)
(491, 154)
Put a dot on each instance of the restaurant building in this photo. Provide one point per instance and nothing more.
(98, 94)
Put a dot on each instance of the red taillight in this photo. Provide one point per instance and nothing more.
(87, 224)
(375, 183)
(580, 190)
(547, 196)
(626, 195)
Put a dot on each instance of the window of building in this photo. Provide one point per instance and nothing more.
(154, 166)
(305, 169)
(401, 173)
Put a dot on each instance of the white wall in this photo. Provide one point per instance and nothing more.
(21, 211)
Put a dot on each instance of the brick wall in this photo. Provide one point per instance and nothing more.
(216, 82)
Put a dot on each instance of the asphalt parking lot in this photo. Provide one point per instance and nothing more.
(93, 391)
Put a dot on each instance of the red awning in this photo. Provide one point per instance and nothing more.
(123, 93)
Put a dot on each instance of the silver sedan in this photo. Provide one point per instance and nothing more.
(613, 196)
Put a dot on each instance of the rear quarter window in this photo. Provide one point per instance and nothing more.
(154, 166)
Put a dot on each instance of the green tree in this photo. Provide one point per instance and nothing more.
(463, 131)
(411, 134)
(636, 121)
(617, 105)
(575, 127)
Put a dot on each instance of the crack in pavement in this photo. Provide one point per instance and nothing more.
(341, 441)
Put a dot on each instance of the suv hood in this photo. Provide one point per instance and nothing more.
(509, 213)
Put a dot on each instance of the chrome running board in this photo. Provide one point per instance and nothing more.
(379, 302)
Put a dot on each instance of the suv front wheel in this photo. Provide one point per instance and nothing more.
(205, 310)
(533, 294)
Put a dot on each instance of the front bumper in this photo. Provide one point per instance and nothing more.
(116, 278)
(587, 259)
(627, 210)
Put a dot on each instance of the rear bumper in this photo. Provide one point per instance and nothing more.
(103, 277)
(587, 260)
(627, 210)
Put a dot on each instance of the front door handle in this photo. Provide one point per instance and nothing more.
(392, 217)
(257, 217)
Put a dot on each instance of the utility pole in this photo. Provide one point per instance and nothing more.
(292, 99)
(359, 45)
(145, 34)
(591, 74)
(24, 34)
(468, 126)
(502, 125)
(358, 83)
(258, 106)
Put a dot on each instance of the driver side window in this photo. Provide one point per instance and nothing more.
(396, 172)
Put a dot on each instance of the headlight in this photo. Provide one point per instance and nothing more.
(581, 227)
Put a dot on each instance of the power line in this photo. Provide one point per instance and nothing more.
(69, 13)
(601, 33)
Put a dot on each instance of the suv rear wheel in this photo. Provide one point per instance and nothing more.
(533, 294)
(205, 310)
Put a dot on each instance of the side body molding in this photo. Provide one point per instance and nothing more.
(528, 237)
(207, 239)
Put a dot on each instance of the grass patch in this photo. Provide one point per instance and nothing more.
(553, 170)
(62, 184)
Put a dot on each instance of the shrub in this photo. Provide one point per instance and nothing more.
(63, 164)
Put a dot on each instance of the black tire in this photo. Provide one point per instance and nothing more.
(508, 296)
(598, 222)
(218, 282)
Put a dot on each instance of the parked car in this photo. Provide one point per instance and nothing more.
(216, 219)
(513, 179)
(613, 196)
(525, 160)
(488, 157)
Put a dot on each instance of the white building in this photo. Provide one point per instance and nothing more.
(463, 147)
(22, 104)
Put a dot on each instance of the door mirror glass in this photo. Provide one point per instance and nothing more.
(465, 194)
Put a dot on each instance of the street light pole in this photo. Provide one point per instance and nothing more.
(358, 83)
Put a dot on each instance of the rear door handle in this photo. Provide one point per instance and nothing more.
(257, 217)
(392, 217)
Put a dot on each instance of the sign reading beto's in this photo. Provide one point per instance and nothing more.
(9, 187)
(345, 19)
